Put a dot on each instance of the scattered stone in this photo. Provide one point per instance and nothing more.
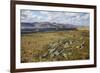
(52, 50)
(56, 53)
(62, 47)
(45, 55)
(51, 55)
(65, 55)
(66, 45)
(78, 47)
(82, 45)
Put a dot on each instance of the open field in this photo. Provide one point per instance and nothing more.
(55, 46)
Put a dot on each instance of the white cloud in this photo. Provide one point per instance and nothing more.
(71, 14)
(27, 15)
(51, 16)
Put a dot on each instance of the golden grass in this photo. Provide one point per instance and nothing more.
(34, 45)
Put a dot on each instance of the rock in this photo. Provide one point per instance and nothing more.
(45, 55)
(65, 55)
(66, 45)
(56, 53)
(82, 45)
(78, 47)
(51, 55)
(70, 42)
(52, 50)
(61, 51)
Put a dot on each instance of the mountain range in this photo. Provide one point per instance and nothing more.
(45, 26)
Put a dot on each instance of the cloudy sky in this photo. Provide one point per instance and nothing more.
(65, 17)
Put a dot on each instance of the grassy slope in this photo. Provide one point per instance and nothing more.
(34, 46)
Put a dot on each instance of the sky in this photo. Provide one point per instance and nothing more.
(75, 18)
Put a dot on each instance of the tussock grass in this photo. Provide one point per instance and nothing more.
(67, 45)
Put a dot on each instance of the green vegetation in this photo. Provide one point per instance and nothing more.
(55, 46)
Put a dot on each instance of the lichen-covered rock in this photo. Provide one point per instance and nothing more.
(62, 49)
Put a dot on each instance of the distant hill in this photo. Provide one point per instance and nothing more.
(45, 26)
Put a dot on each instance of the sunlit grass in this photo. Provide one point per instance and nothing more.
(37, 47)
